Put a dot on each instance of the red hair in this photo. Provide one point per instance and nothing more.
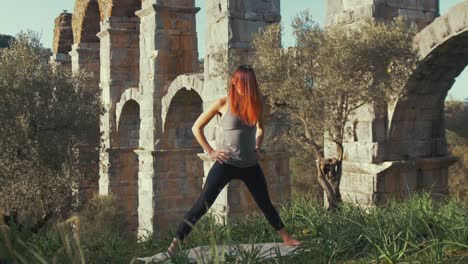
(246, 103)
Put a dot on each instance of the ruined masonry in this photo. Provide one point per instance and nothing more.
(144, 57)
(400, 148)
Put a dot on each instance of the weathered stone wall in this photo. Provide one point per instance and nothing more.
(177, 186)
(86, 57)
(179, 172)
(119, 53)
(85, 53)
(86, 18)
(400, 148)
(63, 39)
(168, 44)
(351, 11)
(123, 182)
(417, 128)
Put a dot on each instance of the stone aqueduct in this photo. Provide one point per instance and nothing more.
(144, 56)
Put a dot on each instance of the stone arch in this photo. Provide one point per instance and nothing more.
(123, 174)
(127, 95)
(417, 127)
(120, 8)
(179, 171)
(128, 129)
(86, 21)
(185, 107)
(188, 82)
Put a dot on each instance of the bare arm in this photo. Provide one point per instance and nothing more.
(201, 122)
(260, 132)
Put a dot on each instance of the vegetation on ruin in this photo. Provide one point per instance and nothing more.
(328, 75)
(420, 229)
(49, 127)
(303, 174)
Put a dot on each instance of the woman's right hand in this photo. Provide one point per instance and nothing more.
(219, 155)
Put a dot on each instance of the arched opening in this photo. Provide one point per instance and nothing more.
(123, 174)
(125, 8)
(417, 127)
(91, 21)
(129, 125)
(184, 109)
(456, 122)
(179, 169)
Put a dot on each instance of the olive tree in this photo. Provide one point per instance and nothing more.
(326, 77)
(46, 117)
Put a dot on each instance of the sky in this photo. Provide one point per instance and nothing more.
(38, 15)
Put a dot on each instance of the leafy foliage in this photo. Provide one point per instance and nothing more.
(47, 116)
(331, 73)
(416, 230)
(5, 41)
(456, 120)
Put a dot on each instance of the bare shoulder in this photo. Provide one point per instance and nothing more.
(222, 103)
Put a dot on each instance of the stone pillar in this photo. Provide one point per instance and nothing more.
(351, 11)
(63, 39)
(229, 33)
(85, 56)
(168, 44)
(119, 59)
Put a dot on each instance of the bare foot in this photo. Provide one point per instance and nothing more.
(172, 247)
(292, 242)
(288, 240)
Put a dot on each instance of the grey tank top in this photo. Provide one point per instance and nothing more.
(239, 140)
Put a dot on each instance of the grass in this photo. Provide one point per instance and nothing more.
(418, 230)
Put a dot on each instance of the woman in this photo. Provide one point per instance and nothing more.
(242, 121)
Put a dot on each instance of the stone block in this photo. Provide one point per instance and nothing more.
(419, 148)
(408, 178)
(379, 130)
(364, 199)
(363, 131)
(243, 30)
(458, 19)
(441, 29)
(429, 5)
(248, 6)
(364, 183)
(422, 130)
(351, 4)
(439, 147)
(362, 151)
(384, 11)
(403, 4)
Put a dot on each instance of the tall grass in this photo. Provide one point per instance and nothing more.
(417, 230)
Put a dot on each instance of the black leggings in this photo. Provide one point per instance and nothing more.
(218, 177)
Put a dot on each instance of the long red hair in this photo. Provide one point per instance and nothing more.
(244, 95)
